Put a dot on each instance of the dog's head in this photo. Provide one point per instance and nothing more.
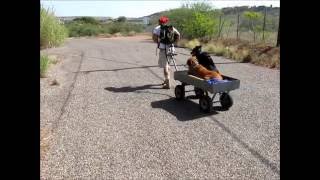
(196, 50)
(192, 61)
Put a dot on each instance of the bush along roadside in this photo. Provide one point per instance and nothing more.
(88, 26)
(52, 32)
(44, 65)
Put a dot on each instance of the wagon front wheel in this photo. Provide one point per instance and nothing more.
(205, 103)
(179, 92)
(226, 100)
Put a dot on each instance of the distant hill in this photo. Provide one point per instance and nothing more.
(275, 11)
(140, 20)
(70, 18)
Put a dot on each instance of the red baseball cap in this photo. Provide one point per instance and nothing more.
(163, 19)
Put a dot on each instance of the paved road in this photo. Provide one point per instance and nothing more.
(109, 118)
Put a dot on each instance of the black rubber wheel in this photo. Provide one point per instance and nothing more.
(199, 92)
(205, 104)
(179, 92)
(226, 100)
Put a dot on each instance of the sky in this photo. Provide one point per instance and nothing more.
(114, 9)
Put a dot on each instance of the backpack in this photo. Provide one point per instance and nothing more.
(167, 36)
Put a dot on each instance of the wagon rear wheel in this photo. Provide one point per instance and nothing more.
(226, 100)
(205, 103)
(179, 92)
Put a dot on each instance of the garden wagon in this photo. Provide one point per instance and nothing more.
(202, 88)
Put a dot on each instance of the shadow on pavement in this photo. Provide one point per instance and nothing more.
(133, 89)
(182, 110)
(120, 69)
(189, 110)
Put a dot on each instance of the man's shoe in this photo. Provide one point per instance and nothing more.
(166, 86)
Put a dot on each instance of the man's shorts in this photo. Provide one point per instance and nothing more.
(162, 62)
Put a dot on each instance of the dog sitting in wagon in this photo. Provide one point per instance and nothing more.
(202, 65)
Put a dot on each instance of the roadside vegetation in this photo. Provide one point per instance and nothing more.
(245, 35)
(89, 26)
(52, 34)
(44, 65)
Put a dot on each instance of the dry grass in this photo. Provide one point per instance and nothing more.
(118, 34)
(105, 35)
(44, 142)
(217, 49)
(54, 59)
(270, 37)
(131, 33)
(269, 59)
(191, 44)
(261, 54)
(182, 42)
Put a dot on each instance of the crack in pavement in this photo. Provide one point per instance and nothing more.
(56, 124)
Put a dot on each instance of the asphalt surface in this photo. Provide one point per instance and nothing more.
(109, 118)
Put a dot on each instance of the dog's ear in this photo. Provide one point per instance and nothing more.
(189, 62)
(196, 49)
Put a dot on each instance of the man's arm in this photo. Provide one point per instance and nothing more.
(176, 38)
(177, 35)
(155, 34)
(155, 38)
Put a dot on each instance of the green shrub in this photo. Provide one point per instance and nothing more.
(80, 28)
(196, 20)
(123, 27)
(44, 65)
(87, 20)
(52, 32)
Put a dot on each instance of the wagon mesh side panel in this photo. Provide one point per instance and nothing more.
(201, 83)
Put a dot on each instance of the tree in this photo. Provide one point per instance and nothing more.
(229, 24)
(196, 20)
(238, 21)
(201, 7)
(264, 22)
(121, 19)
(253, 17)
(200, 25)
(88, 20)
(221, 23)
(179, 18)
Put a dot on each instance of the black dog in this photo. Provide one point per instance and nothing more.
(204, 58)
